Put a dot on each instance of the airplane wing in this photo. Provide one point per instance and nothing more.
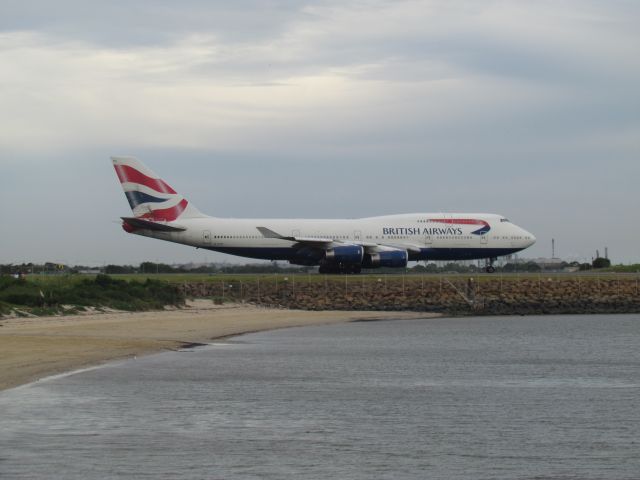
(267, 233)
(405, 246)
(325, 243)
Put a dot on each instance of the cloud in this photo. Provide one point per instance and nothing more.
(428, 100)
(331, 70)
(61, 94)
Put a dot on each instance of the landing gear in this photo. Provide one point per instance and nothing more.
(490, 268)
(332, 268)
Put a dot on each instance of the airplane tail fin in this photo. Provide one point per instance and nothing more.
(150, 197)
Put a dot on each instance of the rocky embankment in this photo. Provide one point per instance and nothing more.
(455, 295)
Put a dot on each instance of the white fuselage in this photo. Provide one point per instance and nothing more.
(429, 236)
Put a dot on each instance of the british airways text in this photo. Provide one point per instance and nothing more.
(421, 231)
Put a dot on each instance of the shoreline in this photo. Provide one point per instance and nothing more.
(35, 348)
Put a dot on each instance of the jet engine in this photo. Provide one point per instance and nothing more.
(387, 258)
(307, 256)
(345, 255)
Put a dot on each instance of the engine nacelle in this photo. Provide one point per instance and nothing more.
(389, 258)
(307, 256)
(346, 255)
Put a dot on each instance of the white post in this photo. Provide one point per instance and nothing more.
(325, 288)
(540, 285)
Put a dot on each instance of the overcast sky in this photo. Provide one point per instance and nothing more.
(274, 108)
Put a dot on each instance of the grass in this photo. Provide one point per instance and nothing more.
(366, 277)
(49, 296)
(625, 268)
(70, 282)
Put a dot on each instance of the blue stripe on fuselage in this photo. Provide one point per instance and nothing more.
(264, 253)
(481, 231)
(286, 253)
(461, 253)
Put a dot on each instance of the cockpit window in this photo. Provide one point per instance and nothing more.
(504, 220)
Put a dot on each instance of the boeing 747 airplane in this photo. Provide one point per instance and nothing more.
(335, 245)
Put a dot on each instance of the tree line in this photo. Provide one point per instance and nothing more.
(275, 267)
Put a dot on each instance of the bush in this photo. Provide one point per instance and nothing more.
(601, 263)
(103, 291)
(8, 282)
(4, 308)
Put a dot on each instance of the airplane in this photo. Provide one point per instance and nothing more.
(335, 245)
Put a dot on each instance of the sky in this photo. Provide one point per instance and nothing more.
(337, 109)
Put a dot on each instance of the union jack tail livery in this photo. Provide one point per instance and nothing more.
(150, 197)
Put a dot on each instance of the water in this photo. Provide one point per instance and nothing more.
(473, 398)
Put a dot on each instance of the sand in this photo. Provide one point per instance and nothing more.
(34, 348)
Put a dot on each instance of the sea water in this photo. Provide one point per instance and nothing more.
(553, 397)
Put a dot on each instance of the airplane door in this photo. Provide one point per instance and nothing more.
(295, 233)
(484, 239)
(428, 241)
(357, 235)
(206, 236)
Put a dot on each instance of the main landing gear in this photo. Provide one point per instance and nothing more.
(489, 268)
(339, 268)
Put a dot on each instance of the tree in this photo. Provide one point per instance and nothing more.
(151, 267)
(601, 263)
(116, 269)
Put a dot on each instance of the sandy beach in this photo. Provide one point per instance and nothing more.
(34, 348)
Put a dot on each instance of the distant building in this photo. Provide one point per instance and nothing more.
(550, 264)
(54, 268)
(90, 271)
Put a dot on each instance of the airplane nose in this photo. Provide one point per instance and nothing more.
(531, 238)
(528, 238)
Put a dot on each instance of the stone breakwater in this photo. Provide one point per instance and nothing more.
(454, 295)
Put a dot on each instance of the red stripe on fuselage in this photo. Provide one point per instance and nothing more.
(166, 214)
(459, 221)
(128, 174)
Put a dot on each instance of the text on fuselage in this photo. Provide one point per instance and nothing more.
(421, 231)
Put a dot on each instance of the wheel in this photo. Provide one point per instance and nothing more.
(329, 268)
(490, 269)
